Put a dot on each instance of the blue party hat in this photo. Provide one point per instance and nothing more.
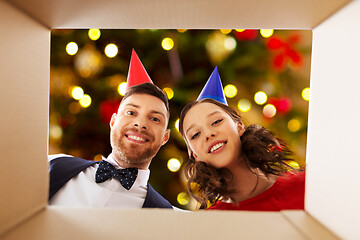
(213, 88)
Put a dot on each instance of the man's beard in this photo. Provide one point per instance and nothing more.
(133, 153)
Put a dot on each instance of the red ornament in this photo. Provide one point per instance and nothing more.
(107, 109)
(246, 35)
(282, 105)
(285, 52)
(275, 43)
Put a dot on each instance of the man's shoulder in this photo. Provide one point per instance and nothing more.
(153, 199)
(63, 168)
(55, 156)
(61, 160)
(67, 157)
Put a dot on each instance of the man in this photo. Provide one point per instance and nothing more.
(137, 131)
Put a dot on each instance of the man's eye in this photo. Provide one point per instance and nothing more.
(216, 122)
(130, 113)
(155, 119)
(195, 135)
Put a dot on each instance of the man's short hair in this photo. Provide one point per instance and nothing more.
(150, 89)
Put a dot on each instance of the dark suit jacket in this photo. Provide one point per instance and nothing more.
(63, 169)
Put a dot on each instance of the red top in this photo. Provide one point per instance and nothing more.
(287, 192)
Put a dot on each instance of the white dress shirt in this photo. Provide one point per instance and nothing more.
(83, 191)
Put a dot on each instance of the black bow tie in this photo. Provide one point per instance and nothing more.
(126, 176)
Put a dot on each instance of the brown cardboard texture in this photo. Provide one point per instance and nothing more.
(332, 194)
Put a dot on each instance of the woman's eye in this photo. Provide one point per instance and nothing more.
(195, 135)
(217, 122)
(130, 113)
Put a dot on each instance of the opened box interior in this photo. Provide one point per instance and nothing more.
(332, 192)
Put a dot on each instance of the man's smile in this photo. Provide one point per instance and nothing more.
(137, 138)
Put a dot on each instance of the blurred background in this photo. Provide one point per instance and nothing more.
(265, 74)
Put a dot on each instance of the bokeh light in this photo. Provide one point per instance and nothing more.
(72, 48)
(94, 34)
(174, 164)
(85, 101)
(260, 97)
(230, 43)
(77, 92)
(111, 50)
(169, 92)
(230, 91)
(306, 94)
(98, 157)
(244, 105)
(181, 30)
(294, 125)
(225, 31)
(293, 164)
(74, 108)
(177, 124)
(167, 44)
(269, 110)
(183, 198)
(55, 132)
(122, 88)
(266, 32)
(240, 30)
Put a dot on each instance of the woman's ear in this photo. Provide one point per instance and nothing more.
(241, 128)
(191, 153)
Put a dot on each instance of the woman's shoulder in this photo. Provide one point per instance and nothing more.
(291, 184)
(292, 177)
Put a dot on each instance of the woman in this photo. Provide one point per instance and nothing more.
(236, 167)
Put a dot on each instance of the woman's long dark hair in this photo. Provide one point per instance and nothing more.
(260, 149)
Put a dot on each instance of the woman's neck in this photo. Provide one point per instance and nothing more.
(249, 183)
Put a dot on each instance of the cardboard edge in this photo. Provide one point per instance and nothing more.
(309, 226)
(27, 217)
(331, 14)
(28, 14)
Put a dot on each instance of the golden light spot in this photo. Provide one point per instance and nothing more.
(94, 34)
(225, 31)
(111, 50)
(177, 124)
(230, 91)
(244, 105)
(294, 125)
(266, 32)
(55, 132)
(269, 110)
(77, 92)
(85, 101)
(72, 48)
(169, 92)
(174, 164)
(122, 88)
(230, 43)
(183, 198)
(167, 44)
(306, 94)
(293, 164)
(98, 157)
(260, 97)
